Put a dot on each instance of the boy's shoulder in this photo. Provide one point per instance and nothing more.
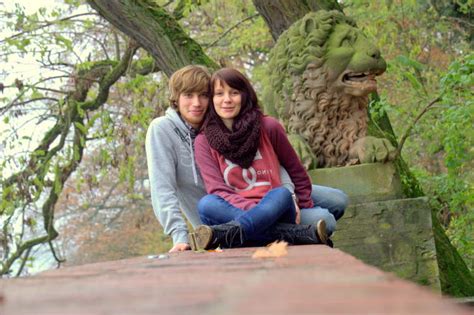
(162, 124)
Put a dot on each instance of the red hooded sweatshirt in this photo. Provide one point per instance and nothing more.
(244, 188)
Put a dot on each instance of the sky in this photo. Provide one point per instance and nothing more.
(28, 70)
(24, 67)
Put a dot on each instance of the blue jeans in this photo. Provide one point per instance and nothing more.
(329, 205)
(276, 206)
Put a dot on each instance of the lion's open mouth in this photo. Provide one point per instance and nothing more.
(361, 82)
(358, 77)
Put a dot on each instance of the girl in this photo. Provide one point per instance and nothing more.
(239, 155)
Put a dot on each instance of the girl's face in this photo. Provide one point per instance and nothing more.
(227, 102)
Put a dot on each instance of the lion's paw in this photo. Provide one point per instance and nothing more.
(371, 149)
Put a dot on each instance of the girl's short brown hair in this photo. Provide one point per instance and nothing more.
(189, 79)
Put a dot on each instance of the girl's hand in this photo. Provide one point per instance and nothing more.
(297, 209)
(298, 214)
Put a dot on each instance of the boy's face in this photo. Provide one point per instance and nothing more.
(193, 106)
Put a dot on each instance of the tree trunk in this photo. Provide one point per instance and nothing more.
(161, 35)
(281, 14)
(156, 31)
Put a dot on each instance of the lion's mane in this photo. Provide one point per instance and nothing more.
(329, 121)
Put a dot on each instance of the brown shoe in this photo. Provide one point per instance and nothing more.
(201, 238)
(321, 232)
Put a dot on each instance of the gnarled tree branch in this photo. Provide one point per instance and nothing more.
(40, 159)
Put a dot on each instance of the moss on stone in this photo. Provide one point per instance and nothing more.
(456, 279)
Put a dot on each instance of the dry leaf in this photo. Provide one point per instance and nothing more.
(217, 250)
(275, 249)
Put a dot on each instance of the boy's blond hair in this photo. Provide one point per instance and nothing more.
(189, 79)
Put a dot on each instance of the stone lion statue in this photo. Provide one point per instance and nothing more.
(321, 72)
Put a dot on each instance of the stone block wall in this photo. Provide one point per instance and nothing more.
(380, 226)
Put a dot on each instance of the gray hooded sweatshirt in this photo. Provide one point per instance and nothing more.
(175, 182)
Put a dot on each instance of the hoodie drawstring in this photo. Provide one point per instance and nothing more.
(192, 157)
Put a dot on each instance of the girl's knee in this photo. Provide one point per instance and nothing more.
(204, 204)
(281, 195)
(282, 190)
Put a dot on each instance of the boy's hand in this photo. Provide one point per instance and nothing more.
(179, 247)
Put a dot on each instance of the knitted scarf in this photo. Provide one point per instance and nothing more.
(239, 145)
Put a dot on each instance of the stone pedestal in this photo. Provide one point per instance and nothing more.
(363, 183)
(380, 227)
(395, 235)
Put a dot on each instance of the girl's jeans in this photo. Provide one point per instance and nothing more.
(276, 206)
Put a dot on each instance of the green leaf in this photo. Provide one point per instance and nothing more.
(81, 127)
(404, 60)
(61, 40)
(75, 151)
(80, 111)
(39, 153)
(413, 80)
(74, 3)
(37, 182)
(36, 94)
(57, 185)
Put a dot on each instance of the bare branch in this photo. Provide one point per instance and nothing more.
(49, 90)
(23, 263)
(53, 251)
(231, 29)
(6, 265)
(12, 103)
(35, 100)
(47, 24)
(38, 163)
(407, 132)
(117, 44)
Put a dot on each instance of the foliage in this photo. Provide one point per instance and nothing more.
(428, 57)
(453, 189)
